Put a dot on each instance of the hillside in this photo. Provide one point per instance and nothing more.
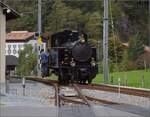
(128, 22)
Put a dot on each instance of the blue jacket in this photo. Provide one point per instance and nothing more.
(44, 57)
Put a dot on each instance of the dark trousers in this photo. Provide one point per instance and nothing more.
(44, 69)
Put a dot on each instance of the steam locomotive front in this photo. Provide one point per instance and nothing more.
(84, 57)
(82, 52)
(76, 57)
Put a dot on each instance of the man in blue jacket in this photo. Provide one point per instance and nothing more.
(44, 63)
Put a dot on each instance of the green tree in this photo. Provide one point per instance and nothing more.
(136, 47)
(63, 17)
(115, 49)
(126, 64)
(115, 52)
(27, 61)
(28, 15)
(95, 26)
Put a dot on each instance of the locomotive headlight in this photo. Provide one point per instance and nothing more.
(62, 62)
(93, 63)
(82, 40)
(72, 63)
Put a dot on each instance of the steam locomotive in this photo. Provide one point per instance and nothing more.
(73, 59)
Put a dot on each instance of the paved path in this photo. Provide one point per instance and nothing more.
(74, 111)
(36, 103)
(25, 111)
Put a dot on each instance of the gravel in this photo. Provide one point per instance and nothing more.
(122, 98)
(36, 94)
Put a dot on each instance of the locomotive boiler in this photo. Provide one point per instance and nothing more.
(73, 59)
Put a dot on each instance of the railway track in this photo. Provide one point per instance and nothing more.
(71, 95)
(62, 98)
(77, 97)
(103, 87)
(116, 89)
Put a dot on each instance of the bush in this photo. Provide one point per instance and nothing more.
(27, 61)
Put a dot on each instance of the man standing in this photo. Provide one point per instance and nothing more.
(44, 63)
(49, 62)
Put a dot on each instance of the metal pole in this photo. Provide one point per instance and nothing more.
(149, 22)
(23, 85)
(105, 43)
(39, 16)
(39, 31)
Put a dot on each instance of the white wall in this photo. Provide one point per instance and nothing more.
(13, 47)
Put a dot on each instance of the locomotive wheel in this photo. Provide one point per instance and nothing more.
(72, 79)
(89, 81)
(63, 78)
(84, 81)
(60, 79)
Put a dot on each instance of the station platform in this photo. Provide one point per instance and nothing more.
(74, 111)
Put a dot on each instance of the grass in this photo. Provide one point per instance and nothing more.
(53, 77)
(129, 78)
(138, 78)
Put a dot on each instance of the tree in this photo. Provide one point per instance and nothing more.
(115, 49)
(136, 47)
(27, 61)
(125, 63)
(28, 15)
(63, 17)
(57, 19)
(95, 26)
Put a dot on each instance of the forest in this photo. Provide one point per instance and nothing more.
(128, 25)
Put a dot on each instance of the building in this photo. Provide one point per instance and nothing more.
(6, 13)
(143, 61)
(15, 41)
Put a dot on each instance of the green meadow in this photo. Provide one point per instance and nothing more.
(138, 78)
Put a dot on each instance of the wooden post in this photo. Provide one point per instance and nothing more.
(119, 88)
(112, 79)
(142, 81)
(126, 80)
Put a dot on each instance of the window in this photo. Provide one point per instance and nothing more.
(9, 46)
(19, 47)
(9, 51)
(14, 46)
(14, 51)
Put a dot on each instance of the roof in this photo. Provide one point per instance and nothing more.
(125, 44)
(147, 49)
(19, 36)
(9, 12)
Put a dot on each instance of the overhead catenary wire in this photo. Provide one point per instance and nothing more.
(113, 34)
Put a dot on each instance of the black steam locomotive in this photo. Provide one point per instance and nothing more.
(73, 58)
